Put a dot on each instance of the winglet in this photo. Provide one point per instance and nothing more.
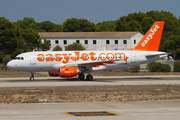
(151, 41)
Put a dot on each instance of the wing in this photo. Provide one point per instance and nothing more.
(93, 63)
(88, 64)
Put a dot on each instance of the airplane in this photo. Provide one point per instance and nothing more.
(67, 64)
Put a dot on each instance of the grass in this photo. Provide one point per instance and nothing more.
(89, 93)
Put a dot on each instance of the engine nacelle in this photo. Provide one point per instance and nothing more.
(65, 72)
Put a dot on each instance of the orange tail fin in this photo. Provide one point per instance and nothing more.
(151, 41)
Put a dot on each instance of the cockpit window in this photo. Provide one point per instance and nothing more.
(19, 58)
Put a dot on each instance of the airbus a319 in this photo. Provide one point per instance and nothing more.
(68, 64)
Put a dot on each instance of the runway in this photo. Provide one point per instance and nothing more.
(144, 110)
(98, 80)
(137, 110)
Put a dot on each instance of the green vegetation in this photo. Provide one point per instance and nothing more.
(78, 25)
(22, 35)
(18, 37)
(47, 26)
(106, 26)
(158, 67)
(74, 46)
(177, 66)
(57, 48)
(46, 45)
(135, 68)
(5, 60)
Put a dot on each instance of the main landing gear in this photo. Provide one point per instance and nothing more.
(88, 77)
(81, 76)
(32, 76)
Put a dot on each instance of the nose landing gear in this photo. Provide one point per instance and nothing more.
(32, 76)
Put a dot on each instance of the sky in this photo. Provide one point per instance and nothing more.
(58, 11)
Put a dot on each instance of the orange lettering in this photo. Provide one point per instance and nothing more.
(92, 56)
(77, 56)
(58, 57)
(84, 56)
(49, 57)
(101, 58)
(66, 57)
(40, 57)
(119, 55)
(109, 57)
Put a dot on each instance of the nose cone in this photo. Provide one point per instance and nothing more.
(9, 64)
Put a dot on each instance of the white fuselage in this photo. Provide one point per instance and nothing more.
(52, 60)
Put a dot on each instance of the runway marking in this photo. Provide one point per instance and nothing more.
(101, 113)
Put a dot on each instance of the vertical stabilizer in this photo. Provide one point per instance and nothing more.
(151, 41)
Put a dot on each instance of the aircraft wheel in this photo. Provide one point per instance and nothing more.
(89, 77)
(31, 78)
(81, 76)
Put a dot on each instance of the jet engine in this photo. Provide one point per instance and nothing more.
(65, 72)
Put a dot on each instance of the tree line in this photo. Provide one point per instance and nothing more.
(22, 35)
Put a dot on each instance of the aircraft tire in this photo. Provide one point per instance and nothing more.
(89, 77)
(31, 78)
(81, 76)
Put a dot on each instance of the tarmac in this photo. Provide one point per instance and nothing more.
(98, 80)
(144, 110)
